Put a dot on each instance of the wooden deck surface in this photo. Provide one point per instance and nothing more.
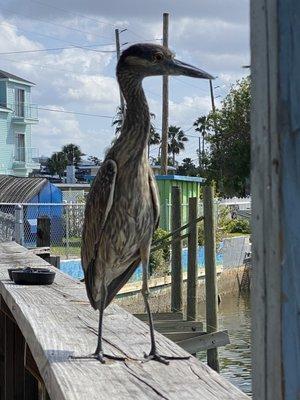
(58, 322)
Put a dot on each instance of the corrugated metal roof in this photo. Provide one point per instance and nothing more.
(7, 75)
(19, 190)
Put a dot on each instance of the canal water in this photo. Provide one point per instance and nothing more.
(235, 358)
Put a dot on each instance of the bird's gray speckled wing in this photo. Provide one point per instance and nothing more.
(98, 205)
(121, 280)
(155, 198)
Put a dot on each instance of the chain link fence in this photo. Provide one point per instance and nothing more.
(19, 222)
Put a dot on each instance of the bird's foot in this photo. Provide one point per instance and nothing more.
(153, 355)
(100, 356)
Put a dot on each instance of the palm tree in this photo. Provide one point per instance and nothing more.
(118, 120)
(57, 163)
(73, 153)
(201, 125)
(176, 141)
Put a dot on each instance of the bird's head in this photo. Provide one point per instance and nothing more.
(144, 59)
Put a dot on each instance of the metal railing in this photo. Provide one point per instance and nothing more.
(26, 154)
(19, 222)
(27, 111)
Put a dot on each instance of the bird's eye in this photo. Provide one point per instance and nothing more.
(158, 56)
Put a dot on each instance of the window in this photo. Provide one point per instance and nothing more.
(19, 102)
(20, 156)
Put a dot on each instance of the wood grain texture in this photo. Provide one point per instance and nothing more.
(210, 272)
(275, 126)
(192, 269)
(205, 342)
(58, 322)
(176, 251)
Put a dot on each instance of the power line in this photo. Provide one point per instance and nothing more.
(54, 23)
(52, 37)
(74, 13)
(74, 112)
(93, 19)
(43, 66)
(189, 84)
(56, 49)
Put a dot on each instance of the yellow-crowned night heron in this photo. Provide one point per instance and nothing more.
(122, 209)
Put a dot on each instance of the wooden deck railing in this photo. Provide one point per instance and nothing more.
(43, 326)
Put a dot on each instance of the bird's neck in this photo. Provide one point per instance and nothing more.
(136, 127)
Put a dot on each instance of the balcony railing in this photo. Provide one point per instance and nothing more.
(26, 111)
(28, 155)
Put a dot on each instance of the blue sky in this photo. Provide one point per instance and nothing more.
(211, 34)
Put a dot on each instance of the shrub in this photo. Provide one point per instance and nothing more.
(159, 259)
(238, 225)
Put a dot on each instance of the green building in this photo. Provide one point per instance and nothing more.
(189, 186)
(17, 114)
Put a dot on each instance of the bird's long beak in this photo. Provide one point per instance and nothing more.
(177, 67)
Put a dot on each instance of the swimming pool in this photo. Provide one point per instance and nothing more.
(73, 267)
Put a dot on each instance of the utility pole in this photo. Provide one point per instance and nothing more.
(165, 104)
(117, 34)
(212, 97)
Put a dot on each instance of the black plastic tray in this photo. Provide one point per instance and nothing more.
(10, 270)
(33, 276)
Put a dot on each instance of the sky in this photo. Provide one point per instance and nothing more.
(78, 77)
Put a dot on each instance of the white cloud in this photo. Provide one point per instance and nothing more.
(12, 41)
(57, 129)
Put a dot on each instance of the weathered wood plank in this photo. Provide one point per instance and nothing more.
(205, 342)
(2, 354)
(275, 122)
(9, 358)
(71, 328)
(164, 316)
(176, 267)
(192, 270)
(181, 326)
(18, 368)
(177, 336)
(210, 272)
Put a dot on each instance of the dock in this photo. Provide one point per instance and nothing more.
(42, 327)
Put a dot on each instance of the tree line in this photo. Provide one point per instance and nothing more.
(223, 156)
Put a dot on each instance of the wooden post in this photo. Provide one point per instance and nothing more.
(192, 270)
(2, 352)
(165, 104)
(210, 272)
(176, 268)
(19, 224)
(43, 231)
(275, 122)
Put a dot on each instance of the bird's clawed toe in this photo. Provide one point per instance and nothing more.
(100, 356)
(153, 355)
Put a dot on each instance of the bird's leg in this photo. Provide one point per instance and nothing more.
(99, 354)
(153, 355)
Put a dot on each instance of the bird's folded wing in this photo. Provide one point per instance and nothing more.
(98, 205)
(155, 199)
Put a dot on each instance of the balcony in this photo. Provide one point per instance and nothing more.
(25, 114)
(26, 158)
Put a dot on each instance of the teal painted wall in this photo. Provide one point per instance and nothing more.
(6, 144)
(3, 93)
(9, 130)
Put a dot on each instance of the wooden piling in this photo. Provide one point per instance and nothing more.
(210, 272)
(176, 268)
(43, 231)
(192, 269)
